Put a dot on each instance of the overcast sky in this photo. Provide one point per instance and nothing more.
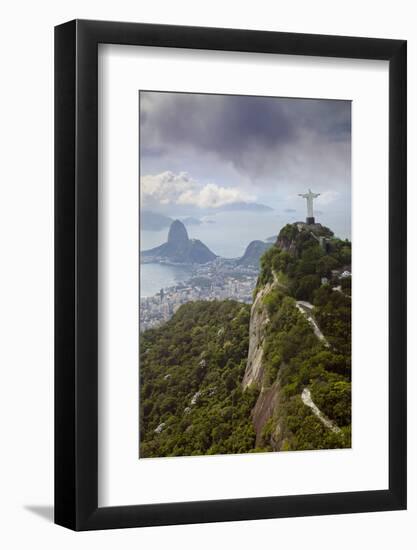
(200, 152)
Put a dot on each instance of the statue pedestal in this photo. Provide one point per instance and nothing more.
(310, 221)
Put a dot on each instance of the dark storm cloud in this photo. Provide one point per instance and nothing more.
(260, 136)
(225, 124)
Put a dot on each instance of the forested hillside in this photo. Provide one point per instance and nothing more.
(306, 342)
(221, 377)
(191, 371)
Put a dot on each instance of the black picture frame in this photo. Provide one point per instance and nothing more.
(76, 272)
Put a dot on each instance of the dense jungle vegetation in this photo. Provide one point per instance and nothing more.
(191, 368)
(306, 270)
(190, 377)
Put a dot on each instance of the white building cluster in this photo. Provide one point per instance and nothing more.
(214, 281)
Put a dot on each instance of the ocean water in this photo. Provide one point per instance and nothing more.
(153, 277)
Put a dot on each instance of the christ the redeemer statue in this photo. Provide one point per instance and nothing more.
(309, 196)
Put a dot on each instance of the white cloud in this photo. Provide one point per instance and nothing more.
(180, 189)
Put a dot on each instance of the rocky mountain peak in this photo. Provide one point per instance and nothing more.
(177, 233)
(179, 248)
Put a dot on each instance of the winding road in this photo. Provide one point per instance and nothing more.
(307, 400)
(305, 308)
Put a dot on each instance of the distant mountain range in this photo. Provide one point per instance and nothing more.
(191, 221)
(154, 221)
(247, 206)
(179, 248)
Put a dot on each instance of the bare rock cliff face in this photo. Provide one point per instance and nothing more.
(258, 321)
(268, 399)
(264, 409)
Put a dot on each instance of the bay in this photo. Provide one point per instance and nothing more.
(153, 277)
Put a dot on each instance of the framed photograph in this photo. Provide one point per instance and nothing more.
(230, 255)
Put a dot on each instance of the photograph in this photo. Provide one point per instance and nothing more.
(245, 274)
(189, 190)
